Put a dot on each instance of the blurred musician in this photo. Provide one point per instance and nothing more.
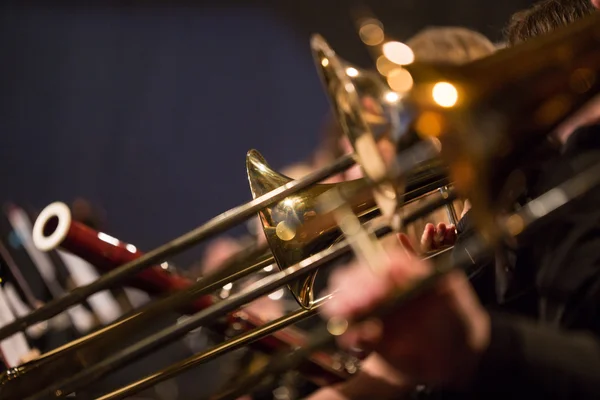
(447, 339)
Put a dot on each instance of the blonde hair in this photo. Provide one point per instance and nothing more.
(450, 44)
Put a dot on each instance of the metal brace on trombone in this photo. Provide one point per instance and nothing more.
(365, 245)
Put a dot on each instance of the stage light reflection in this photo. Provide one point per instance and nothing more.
(276, 295)
(392, 97)
(398, 53)
(371, 32)
(351, 72)
(445, 94)
(384, 66)
(400, 80)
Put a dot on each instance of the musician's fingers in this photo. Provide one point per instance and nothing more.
(440, 233)
(596, 3)
(405, 269)
(406, 243)
(427, 237)
(356, 289)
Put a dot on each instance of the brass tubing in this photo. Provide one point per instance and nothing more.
(214, 226)
(67, 360)
(416, 155)
(83, 355)
(202, 318)
(513, 225)
(197, 359)
(343, 249)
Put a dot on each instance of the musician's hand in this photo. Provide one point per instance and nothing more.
(437, 339)
(376, 379)
(217, 252)
(436, 237)
(596, 3)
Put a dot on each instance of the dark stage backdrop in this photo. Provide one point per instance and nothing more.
(148, 111)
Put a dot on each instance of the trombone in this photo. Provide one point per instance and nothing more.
(295, 233)
(512, 100)
(90, 350)
(477, 168)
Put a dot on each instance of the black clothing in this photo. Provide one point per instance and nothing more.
(557, 356)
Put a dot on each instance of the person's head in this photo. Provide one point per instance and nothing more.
(449, 44)
(544, 17)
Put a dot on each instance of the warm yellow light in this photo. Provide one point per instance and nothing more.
(429, 124)
(325, 62)
(337, 326)
(288, 203)
(445, 94)
(398, 53)
(400, 80)
(384, 66)
(391, 97)
(352, 72)
(371, 33)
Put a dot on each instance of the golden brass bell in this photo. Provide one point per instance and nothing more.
(284, 223)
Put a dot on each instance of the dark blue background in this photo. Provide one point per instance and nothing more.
(148, 109)
(149, 112)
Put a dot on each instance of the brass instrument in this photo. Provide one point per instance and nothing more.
(304, 237)
(489, 116)
(209, 229)
(53, 228)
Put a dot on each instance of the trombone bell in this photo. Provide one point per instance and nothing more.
(371, 116)
(284, 224)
